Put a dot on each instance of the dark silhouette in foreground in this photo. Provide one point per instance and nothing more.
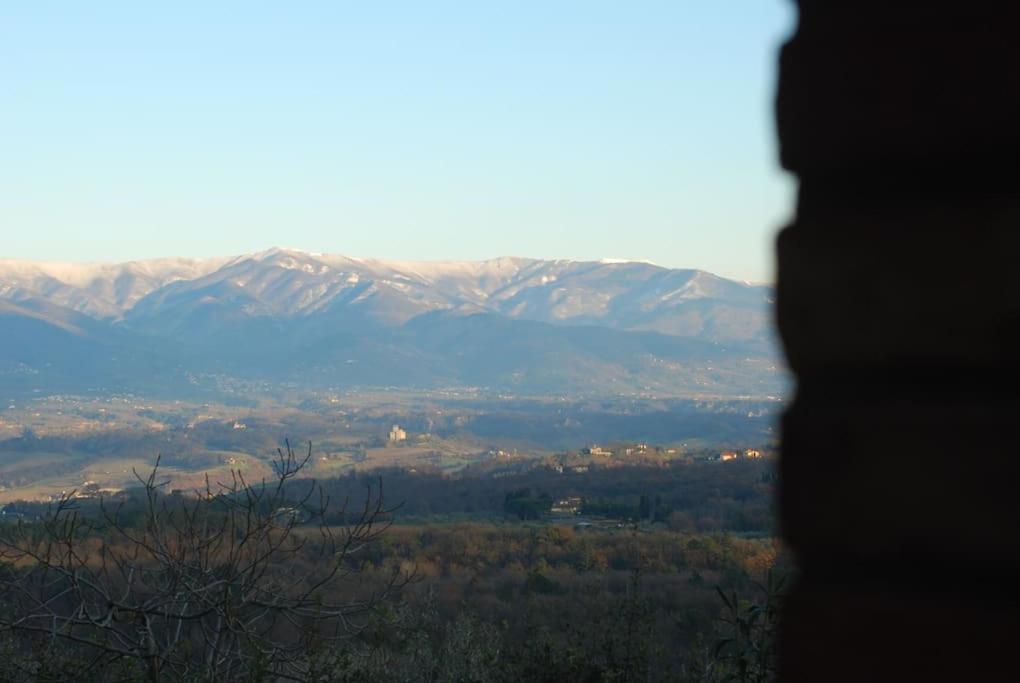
(899, 306)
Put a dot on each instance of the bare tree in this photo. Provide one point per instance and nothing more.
(241, 581)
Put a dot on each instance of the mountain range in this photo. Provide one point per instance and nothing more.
(318, 320)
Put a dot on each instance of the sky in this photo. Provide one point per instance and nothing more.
(406, 130)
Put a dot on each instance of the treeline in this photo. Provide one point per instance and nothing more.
(731, 496)
(706, 497)
(526, 505)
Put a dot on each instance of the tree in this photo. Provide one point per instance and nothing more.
(644, 508)
(751, 629)
(525, 506)
(241, 581)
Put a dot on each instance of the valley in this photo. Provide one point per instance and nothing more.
(60, 443)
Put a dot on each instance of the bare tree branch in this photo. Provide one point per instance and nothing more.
(231, 582)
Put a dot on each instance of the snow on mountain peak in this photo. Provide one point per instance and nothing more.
(291, 282)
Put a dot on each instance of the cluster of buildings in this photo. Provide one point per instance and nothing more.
(88, 490)
(733, 455)
(568, 464)
(630, 449)
(567, 506)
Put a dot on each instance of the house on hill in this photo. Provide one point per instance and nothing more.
(570, 505)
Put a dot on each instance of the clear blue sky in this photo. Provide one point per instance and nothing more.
(413, 130)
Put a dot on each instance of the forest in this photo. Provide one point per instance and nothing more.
(667, 573)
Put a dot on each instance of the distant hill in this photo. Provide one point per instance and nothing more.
(324, 320)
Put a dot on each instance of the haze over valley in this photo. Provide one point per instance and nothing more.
(213, 363)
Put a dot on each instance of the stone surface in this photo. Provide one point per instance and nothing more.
(875, 633)
(871, 84)
(899, 308)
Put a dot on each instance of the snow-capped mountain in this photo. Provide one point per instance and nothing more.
(303, 308)
(288, 283)
(100, 290)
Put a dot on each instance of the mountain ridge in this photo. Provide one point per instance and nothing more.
(283, 311)
(112, 290)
